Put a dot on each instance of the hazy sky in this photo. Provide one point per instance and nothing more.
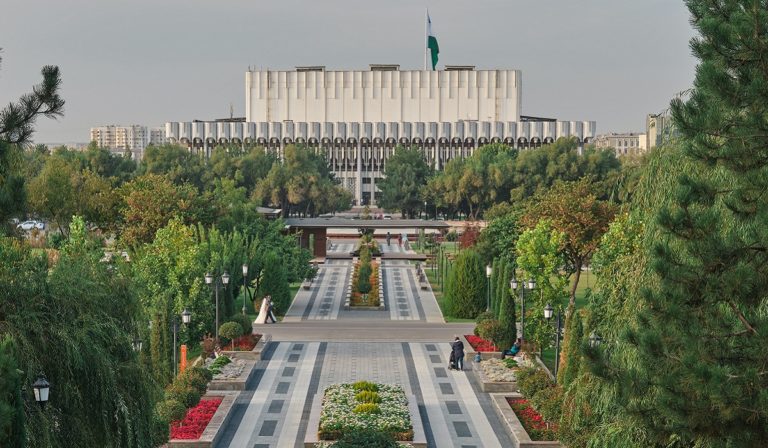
(152, 61)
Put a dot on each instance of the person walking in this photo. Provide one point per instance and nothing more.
(457, 348)
(270, 310)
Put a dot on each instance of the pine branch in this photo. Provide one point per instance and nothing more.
(741, 317)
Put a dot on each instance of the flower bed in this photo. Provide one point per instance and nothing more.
(371, 298)
(246, 343)
(535, 425)
(344, 410)
(479, 344)
(496, 370)
(197, 418)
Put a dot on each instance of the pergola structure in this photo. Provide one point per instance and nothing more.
(318, 228)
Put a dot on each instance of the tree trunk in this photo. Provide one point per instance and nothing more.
(572, 300)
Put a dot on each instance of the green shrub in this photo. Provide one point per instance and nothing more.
(465, 293)
(170, 411)
(186, 394)
(365, 385)
(482, 317)
(549, 403)
(367, 408)
(231, 331)
(452, 236)
(366, 438)
(218, 363)
(364, 278)
(491, 330)
(368, 396)
(196, 377)
(244, 322)
(509, 362)
(531, 380)
(160, 431)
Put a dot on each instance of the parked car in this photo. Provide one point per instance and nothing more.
(40, 225)
(27, 225)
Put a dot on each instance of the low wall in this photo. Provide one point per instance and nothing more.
(486, 385)
(215, 428)
(520, 438)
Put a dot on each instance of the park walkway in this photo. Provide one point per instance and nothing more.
(320, 344)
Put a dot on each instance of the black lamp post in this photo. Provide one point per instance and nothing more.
(548, 311)
(245, 285)
(186, 318)
(488, 273)
(531, 286)
(209, 280)
(137, 344)
(42, 387)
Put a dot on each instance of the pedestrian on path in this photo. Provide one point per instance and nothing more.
(270, 310)
(457, 349)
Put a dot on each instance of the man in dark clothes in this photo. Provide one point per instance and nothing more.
(458, 353)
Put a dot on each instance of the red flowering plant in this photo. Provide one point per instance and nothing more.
(197, 418)
(535, 425)
(480, 344)
(244, 343)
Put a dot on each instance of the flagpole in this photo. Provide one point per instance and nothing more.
(426, 36)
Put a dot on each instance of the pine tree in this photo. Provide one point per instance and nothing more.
(702, 371)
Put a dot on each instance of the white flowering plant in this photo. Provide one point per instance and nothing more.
(496, 370)
(337, 416)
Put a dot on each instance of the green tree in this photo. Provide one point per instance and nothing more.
(274, 283)
(405, 174)
(11, 402)
(499, 237)
(507, 312)
(466, 287)
(176, 163)
(709, 253)
(539, 257)
(573, 209)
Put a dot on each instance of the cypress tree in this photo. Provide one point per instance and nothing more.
(499, 287)
(274, 283)
(507, 313)
(467, 284)
(495, 274)
(702, 374)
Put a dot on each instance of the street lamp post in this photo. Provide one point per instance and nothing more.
(209, 280)
(186, 318)
(594, 339)
(245, 285)
(531, 286)
(548, 311)
(42, 387)
(488, 273)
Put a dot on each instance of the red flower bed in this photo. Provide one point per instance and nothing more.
(480, 344)
(195, 421)
(246, 343)
(532, 421)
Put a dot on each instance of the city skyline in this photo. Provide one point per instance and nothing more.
(147, 63)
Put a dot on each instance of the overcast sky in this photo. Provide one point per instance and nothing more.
(152, 61)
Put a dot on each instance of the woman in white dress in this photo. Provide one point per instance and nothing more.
(263, 311)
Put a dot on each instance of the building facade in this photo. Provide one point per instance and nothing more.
(127, 139)
(357, 119)
(622, 143)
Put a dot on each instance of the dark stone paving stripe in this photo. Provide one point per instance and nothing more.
(440, 372)
(413, 379)
(416, 297)
(241, 404)
(282, 387)
(462, 429)
(314, 294)
(435, 359)
(314, 383)
(446, 388)
(268, 428)
(453, 407)
(275, 406)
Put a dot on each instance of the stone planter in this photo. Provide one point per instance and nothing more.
(486, 385)
(214, 430)
(311, 438)
(520, 437)
(254, 354)
(237, 383)
(469, 352)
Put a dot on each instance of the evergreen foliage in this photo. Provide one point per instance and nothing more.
(507, 313)
(406, 172)
(466, 286)
(11, 402)
(275, 284)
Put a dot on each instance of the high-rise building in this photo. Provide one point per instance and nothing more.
(127, 139)
(357, 118)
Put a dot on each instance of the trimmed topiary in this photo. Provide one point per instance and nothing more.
(365, 385)
(244, 322)
(367, 408)
(170, 411)
(231, 331)
(368, 396)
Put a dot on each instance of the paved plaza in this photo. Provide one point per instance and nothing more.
(320, 344)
